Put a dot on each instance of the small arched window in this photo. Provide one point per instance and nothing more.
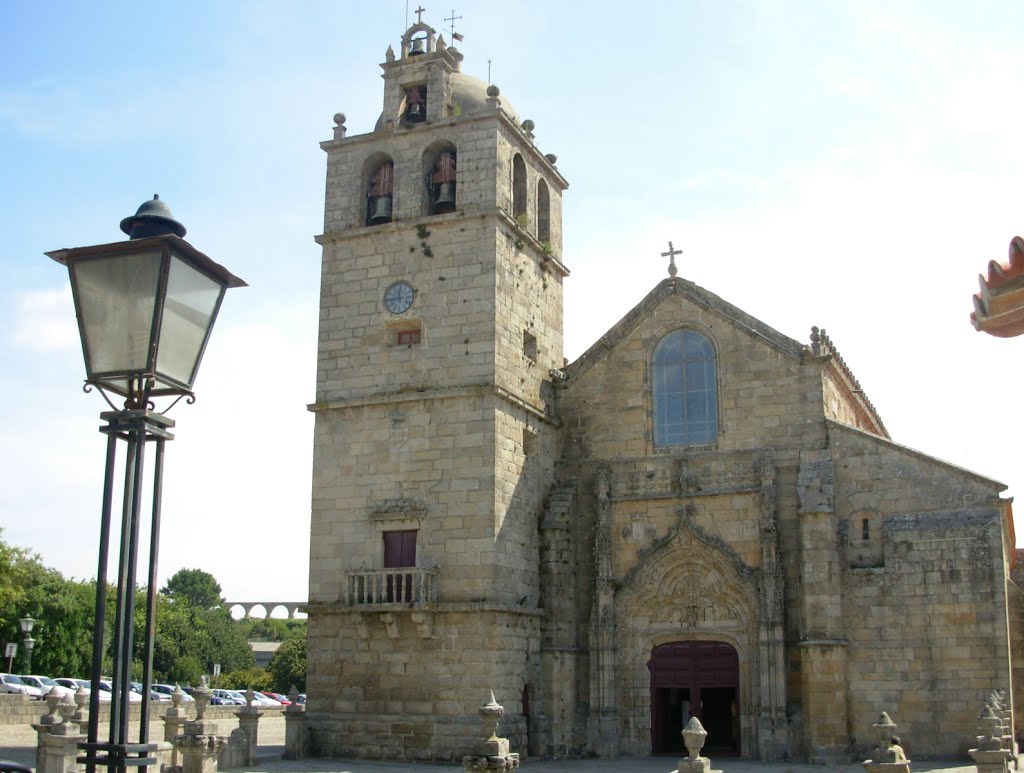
(865, 529)
(519, 189)
(380, 189)
(543, 214)
(685, 390)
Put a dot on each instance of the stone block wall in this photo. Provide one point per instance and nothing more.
(410, 690)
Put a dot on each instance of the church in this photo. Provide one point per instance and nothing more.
(700, 516)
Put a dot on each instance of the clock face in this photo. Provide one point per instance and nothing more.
(398, 297)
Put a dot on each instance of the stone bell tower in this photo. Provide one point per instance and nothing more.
(440, 323)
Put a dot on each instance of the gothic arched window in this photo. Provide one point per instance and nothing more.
(685, 390)
(543, 213)
(519, 189)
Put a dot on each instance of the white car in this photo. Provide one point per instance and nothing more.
(259, 699)
(108, 688)
(45, 684)
(13, 684)
(74, 684)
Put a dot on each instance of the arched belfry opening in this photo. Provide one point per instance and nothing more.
(543, 214)
(518, 188)
(694, 679)
(440, 161)
(379, 173)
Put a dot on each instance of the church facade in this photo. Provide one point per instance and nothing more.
(698, 517)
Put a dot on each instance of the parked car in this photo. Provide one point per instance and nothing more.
(13, 684)
(282, 699)
(301, 698)
(168, 690)
(74, 684)
(226, 698)
(259, 699)
(45, 684)
(108, 688)
(153, 694)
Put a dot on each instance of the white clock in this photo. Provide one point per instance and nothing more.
(398, 298)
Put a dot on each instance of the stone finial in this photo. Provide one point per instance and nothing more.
(81, 701)
(552, 158)
(66, 710)
(389, 55)
(493, 100)
(250, 696)
(177, 696)
(528, 127)
(340, 130)
(694, 736)
(202, 697)
(293, 694)
(884, 728)
(815, 341)
(491, 713)
(51, 717)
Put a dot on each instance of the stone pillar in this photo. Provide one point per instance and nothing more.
(199, 745)
(694, 736)
(58, 737)
(248, 723)
(888, 755)
(492, 753)
(990, 756)
(822, 645)
(174, 720)
(603, 724)
(772, 723)
(296, 731)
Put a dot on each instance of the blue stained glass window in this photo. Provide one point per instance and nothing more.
(685, 390)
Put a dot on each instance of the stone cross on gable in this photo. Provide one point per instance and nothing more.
(419, 14)
(671, 255)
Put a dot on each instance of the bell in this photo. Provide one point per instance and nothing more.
(380, 210)
(417, 47)
(445, 201)
(415, 113)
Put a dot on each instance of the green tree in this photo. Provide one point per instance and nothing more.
(273, 629)
(288, 666)
(62, 608)
(199, 588)
(257, 678)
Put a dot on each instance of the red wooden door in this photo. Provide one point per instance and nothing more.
(399, 551)
(693, 679)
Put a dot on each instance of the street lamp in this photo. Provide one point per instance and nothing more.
(27, 624)
(145, 309)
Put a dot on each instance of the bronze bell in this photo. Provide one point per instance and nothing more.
(417, 47)
(380, 210)
(415, 113)
(445, 201)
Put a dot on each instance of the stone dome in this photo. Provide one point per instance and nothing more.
(470, 94)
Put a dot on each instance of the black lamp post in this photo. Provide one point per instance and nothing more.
(145, 310)
(27, 624)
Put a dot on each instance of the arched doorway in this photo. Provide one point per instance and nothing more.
(694, 679)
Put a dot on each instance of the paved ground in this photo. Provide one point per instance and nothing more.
(18, 743)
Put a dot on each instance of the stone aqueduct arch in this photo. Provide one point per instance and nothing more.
(291, 607)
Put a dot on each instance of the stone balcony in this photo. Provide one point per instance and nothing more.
(405, 585)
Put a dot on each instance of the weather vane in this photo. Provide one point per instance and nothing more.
(452, 19)
(671, 255)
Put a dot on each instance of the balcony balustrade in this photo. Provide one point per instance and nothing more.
(405, 585)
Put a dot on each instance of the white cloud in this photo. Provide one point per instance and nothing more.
(46, 320)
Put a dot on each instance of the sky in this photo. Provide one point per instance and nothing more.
(853, 166)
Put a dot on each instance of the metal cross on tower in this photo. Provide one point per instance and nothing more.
(452, 19)
(671, 255)
(419, 14)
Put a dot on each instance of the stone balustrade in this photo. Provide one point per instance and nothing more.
(406, 585)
